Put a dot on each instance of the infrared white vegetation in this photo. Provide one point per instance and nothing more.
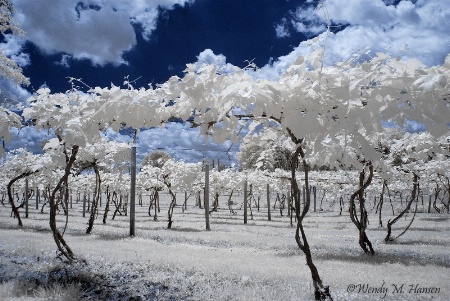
(329, 115)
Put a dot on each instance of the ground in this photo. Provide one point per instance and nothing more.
(233, 261)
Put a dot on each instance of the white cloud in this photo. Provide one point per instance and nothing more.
(409, 30)
(28, 138)
(97, 30)
(182, 143)
(208, 57)
(13, 47)
(65, 59)
(178, 140)
(378, 27)
(11, 95)
(282, 30)
(307, 21)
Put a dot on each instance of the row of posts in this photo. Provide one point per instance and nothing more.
(206, 197)
(133, 197)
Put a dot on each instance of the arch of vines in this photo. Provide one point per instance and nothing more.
(328, 113)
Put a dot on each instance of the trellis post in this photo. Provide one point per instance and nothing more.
(245, 201)
(26, 197)
(133, 192)
(206, 197)
(268, 203)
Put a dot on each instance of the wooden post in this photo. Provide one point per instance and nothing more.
(157, 201)
(245, 201)
(26, 197)
(429, 203)
(315, 195)
(185, 200)
(304, 195)
(84, 204)
(125, 205)
(289, 202)
(207, 197)
(268, 203)
(133, 192)
(155, 218)
(37, 198)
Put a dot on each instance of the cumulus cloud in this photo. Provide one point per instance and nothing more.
(12, 96)
(307, 21)
(28, 138)
(65, 61)
(97, 30)
(183, 143)
(208, 57)
(282, 29)
(13, 47)
(180, 141)
(408, 30)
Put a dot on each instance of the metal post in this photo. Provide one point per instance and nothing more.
(289, 201)
(84, 204)
(245, 202)
(268, 203)
(315, 195)
(37, 198)
(304, 195)
(157, 201)
(429, 203)
(207, 197)
(26, 197)
(133, 191)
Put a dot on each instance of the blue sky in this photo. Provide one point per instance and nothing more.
(103, 41)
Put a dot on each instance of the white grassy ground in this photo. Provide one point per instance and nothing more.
(233, 261)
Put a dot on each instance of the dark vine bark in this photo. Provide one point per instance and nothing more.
(11, 198)
(171, 207)
(117, 204)
(230, 203)
(321, 292)
(415, 191)
(62, 245)
(380, 203)
(108, 200)
(95, 199)
(361, 222)
(215, 203)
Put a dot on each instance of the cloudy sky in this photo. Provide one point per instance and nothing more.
(104, 41)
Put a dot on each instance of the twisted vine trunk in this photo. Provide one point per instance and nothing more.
(63, 247)
(96, 198)
(108, 200)
(11, 198)
(215, 203)
(380, 203)
(171, 206)
(321, 292)
(408, 206)
(361, 222)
